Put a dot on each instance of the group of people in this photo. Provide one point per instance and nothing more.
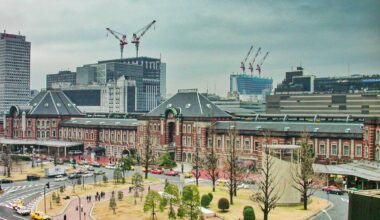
(98, 196)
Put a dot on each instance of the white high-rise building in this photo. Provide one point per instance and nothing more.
(14, 71)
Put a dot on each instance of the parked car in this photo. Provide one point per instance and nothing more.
(2, 181)
(352, 189)
(39, 216)
(335, 191)
(32, 177)
(111, 166)
(99, 172)
(22, 210)
(75, 176)
(88, 174)
(60, 178)
(95, 164)
(221, 182)
(242, 186)
(156, 171)
(171, 173)
(328, 188)
(188, 175)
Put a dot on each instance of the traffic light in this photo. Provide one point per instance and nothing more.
(47, 185)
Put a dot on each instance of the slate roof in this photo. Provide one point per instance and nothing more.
(341, 128)
(103, 122)
(53, 103)
(190, 103)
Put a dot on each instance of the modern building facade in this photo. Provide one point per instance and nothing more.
(14, 71)
(119, 96)
(296, 82)
(152, 79)
(61, 79)
(347, 104)
(245, 84)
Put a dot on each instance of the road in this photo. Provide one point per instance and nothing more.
(339, 211)
(32, 191)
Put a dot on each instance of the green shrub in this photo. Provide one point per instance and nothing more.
(120, 195)
(181, 212)
(223, 204)
(211, 196)
(205, 201)
(249, 213)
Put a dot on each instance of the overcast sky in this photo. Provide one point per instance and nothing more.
(202, 42)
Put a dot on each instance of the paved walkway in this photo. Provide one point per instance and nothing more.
(71, 210)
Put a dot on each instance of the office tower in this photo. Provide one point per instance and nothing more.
(61, 79)
(14, 71)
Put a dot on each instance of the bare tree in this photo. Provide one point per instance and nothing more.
(232, 162)
(268, 195)
(7, 161)
(197, 160)
(147, 156)
(211, 159)
(303, 174)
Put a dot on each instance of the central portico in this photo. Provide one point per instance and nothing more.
(179, 124)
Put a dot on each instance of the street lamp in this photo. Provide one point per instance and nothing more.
(79, 207)
(47, 185)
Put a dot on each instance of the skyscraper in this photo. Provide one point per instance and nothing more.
(14, 71)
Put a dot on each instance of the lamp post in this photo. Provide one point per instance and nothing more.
(79, 206)
(47, 185)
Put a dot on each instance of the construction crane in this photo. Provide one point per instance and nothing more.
(253, 61)
(138, 34)
(258, 67)
(242, 64)
(122, 39)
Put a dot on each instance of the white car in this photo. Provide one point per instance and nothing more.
(111, 166)
(21, 210)
(60, 178)
(242, 186)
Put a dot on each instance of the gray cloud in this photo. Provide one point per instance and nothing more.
(201, 41)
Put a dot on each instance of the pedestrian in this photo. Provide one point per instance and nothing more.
(64, 217)
(89, 197)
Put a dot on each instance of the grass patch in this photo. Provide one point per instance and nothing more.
(127, 210)
(19, 173)
(88, 189)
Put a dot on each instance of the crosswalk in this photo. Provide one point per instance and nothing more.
(30, 192)
(30, 205)
(12, 189)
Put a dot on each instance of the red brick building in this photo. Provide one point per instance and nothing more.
(180, 124)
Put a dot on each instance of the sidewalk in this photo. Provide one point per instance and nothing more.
(71, 211)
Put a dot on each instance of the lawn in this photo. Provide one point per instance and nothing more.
(127, 210)
(20, 172)
(89, 189)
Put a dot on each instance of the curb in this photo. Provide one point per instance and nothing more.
(330, 206)
(92, 208)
